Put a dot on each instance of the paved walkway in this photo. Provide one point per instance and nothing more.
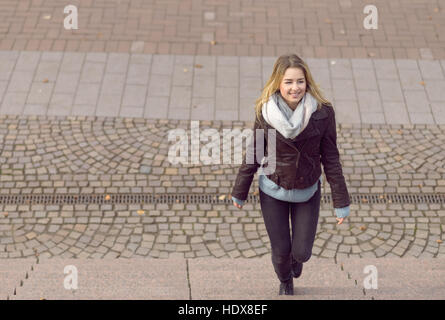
(212, 87)
(317, 28)
(84, 123)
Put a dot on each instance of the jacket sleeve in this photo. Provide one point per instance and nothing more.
(240, 202)
(330, 158)
(247, 170)
(342, 212)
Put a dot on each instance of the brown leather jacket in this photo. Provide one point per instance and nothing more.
(298, 160)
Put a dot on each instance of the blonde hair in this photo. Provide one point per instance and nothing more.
(273, 84)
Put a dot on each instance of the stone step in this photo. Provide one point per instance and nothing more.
(223, 279)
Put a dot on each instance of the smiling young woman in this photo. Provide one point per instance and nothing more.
(293, 87)
(292, 104)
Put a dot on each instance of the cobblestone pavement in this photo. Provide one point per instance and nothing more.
(81, 155)
(319, 28)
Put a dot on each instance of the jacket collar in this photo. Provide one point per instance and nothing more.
(310, 131)
(320, 113)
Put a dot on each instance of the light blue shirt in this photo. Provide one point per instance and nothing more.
(294, 195)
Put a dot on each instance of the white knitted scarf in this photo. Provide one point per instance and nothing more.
(290, 123)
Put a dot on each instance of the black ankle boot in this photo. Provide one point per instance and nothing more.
(287, 288)
(296, 268)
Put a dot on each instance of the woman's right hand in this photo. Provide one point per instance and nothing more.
(237, 205)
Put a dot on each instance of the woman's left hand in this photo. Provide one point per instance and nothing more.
(340, 220)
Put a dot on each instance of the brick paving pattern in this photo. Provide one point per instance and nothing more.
(320, 28)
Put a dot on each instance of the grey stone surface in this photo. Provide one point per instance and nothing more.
(72, 62)
(369, 101)
(221, 278)
(13, 274)
(13, 103)
(20, 81)
(435, 90)
(343, 89)
(107, 279)
(28, 61)
(347, 110)
(385, 69)
(395, 112)
(47, 70)
(399, 278)
(228, 279)
(431, 70)
(206, 86)
(365, 80)
(411, 79)
(390, 90)
(117, 63)
(66, 82)
(340, 69)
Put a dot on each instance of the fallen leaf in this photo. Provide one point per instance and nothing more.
(5, 214)
(255, 193)
(213, 42)
(107, 197)
(45, 80)
(364, 200)
(140, 212)
(422, 83)
(222, 197)
(198, 66)
(363, 228)
(399, 131)
(439, 241)
(382, 197)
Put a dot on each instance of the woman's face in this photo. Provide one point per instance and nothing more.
(293, 86)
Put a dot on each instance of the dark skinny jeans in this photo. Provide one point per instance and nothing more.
(287, 249)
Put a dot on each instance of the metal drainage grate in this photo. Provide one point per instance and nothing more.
(49, 199)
